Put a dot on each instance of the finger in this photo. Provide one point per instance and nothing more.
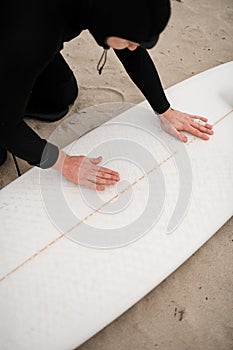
(94, 186)
(103, 170)
(209, 126)
(198, 117)
(203, 119)
(101, 181)
(105, 176)
(204, 129)
(182, 137)
(196, 132)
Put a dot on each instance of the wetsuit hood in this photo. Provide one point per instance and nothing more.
(135, 20)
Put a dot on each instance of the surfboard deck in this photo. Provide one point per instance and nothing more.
(74, 261)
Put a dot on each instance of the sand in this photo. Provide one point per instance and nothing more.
(193, 308)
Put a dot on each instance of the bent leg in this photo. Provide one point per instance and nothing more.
(54, 91)
(3, 155)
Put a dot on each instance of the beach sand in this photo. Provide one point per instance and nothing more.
(193, 308)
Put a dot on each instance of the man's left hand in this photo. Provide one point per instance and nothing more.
(173, 122)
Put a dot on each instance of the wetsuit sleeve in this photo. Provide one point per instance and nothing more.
(23, 142)
(15, 135)
(27, 47)
(141, 69)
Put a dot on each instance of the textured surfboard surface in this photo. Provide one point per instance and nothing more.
(73, 261)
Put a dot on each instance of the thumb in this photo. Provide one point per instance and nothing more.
(182, 137)
(96, 160)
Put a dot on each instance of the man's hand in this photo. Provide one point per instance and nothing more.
(174, 122)
(85, 171)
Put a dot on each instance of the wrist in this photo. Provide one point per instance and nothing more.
(167, 112)
(60, 161)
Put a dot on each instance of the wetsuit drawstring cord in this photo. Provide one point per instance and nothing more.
(16, 165)
(103, 58)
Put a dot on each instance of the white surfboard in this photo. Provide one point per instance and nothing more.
(73, 260)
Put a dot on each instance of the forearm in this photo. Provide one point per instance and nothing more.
(23, 142)
(142, 71)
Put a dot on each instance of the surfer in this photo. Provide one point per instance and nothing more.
(37, 82)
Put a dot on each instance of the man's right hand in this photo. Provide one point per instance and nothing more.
(85, 171)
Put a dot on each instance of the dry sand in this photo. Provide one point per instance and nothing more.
(193, 308)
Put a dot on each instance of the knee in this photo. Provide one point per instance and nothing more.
(73, 91)
(68, 93)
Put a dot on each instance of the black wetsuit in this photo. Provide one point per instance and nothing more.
(33, 71)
